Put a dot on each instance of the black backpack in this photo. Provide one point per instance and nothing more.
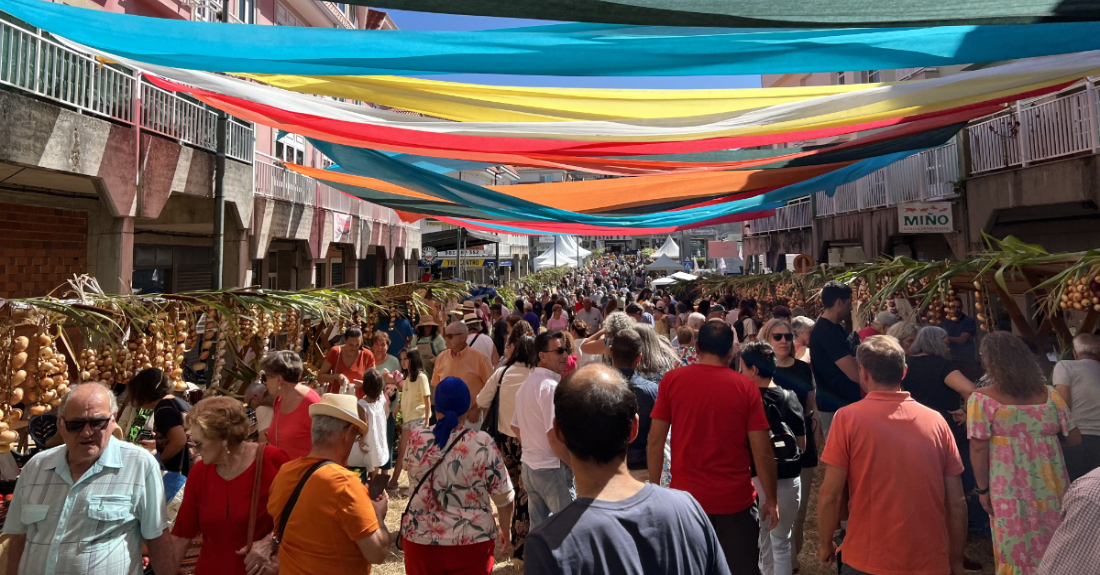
(784, 442)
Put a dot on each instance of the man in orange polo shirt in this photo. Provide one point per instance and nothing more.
(334, 527)
(466, 363)
(906, 508)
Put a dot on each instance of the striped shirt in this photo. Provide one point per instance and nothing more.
(95, 526)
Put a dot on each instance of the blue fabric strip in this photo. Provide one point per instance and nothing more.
(564, 50)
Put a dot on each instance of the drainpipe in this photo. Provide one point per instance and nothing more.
(219, 185)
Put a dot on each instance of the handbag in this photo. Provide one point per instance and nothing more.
(492, 417)
(784, 442)
(412, 494)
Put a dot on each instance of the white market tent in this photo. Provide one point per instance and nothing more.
(664, 264)
(564, 252)
(669, 248)
(684, 276)
(663, 281)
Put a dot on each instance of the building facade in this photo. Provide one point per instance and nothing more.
(103, 173)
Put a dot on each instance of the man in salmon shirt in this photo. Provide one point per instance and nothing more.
(901, 468)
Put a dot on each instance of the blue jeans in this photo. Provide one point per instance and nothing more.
(548, 491)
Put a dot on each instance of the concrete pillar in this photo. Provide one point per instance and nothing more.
(351, 267)
(389, 278)
(114, 239)
(237, 263)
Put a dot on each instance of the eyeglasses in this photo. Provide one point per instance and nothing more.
(782, 336)
(559, 351)
(77, 425)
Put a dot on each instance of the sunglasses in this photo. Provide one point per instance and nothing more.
(782, 336)
(77, 425)
(559, 351)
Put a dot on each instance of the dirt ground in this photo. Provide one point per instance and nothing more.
(980, 550)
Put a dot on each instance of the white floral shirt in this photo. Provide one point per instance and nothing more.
(453, 507)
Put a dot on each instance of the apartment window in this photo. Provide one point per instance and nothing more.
(246, 11)
(841, 78)
(546, 178)
(872, 76)
(290, 154)
(319, 270)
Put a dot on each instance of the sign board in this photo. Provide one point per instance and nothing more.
(428, 253)
(918, 218)
(454, 253)
(546, 239)
(723, 249)
(473, 262)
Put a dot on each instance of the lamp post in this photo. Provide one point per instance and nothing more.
(219, 183)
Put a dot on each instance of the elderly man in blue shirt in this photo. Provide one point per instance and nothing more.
(86, 507)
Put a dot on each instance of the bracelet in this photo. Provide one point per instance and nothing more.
(981, 491)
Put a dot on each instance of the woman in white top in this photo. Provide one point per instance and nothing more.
(507, 380)
(1078, 382)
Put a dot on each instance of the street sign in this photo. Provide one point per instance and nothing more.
(428, 253)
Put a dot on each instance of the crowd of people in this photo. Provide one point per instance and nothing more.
(596, 427)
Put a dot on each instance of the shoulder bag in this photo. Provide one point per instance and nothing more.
(492, 417)
(256, 481)
(784, 442)
(285, 515)
(412, 494)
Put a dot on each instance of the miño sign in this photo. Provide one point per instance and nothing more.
(918, 218)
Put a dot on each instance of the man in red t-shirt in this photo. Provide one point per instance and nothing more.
(879, 326)
(716, 415)
(901, 468)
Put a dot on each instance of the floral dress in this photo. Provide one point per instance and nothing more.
(1027, 475)
(453, 506)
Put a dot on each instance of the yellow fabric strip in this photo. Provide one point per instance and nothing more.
(478, 103)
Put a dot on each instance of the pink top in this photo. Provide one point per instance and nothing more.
(291, 431)
(557, 323)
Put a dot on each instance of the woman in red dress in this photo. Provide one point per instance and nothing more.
(346, 363)
(217, 499)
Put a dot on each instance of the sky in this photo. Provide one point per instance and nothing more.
(408, 20)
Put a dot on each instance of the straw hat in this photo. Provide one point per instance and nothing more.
(341, 407)
(471, 318)
(427, 321)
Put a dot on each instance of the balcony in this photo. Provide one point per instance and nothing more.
(273, 180)
(927, 176)
(797, 214)
(1051, 128)
(33, 63)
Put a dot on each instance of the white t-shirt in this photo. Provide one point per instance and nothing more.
(482, 343)
(534, 416)
(1083, 378)
(371, 450)
(264, 415)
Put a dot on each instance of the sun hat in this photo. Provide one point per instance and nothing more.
(427, 321)
(340, 406)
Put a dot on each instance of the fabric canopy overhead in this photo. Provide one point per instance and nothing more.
(501, 207)
(340, 123)
(591, 196)
(763, 13)
(562, 50)
(664, 264)
(820, 117)
(669, 248)
(485, 103)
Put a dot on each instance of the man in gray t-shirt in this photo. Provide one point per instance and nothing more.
(617, 525)
(1078, 381)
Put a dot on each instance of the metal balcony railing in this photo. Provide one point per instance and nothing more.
(273, 180)
(33, 63)
(1055, 127)
(795, 215)
(931, 174)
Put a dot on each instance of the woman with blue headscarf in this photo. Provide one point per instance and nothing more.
(454, 473)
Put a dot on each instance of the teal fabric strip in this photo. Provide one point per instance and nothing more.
(764, 13)
(572, 50)
(495, 205)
